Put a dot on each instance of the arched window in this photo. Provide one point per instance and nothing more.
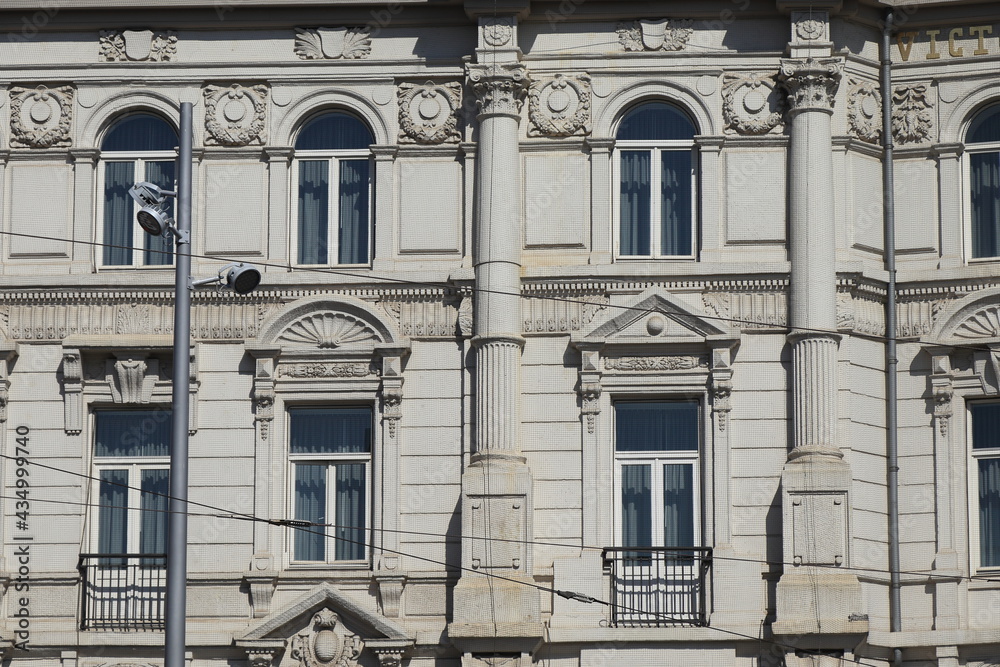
(656, 185)
(983, 144)
(333, 170)
(139, 147)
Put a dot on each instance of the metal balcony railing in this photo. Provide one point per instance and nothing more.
(123, 591)
(658, 586)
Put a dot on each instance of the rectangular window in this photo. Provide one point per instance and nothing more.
(330, 450)
(985, 193)
(131, 460)
(655, 202)
(334, 211)
(985, 475)
(121, 231)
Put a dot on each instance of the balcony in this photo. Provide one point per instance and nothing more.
(123, 592)
(657, 586)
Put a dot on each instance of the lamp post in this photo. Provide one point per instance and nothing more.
(242, 279)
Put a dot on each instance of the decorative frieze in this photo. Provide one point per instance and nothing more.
(499, 87)
(559, 106)
(655, 363)
(341, 43)
(235, 115)
(766, 308)
(334, 369)
(655, 35)
(428, 112)
(864, 111)
(567, 310)
(811, 83)
(751, 103)
(41, 117)
(912, 120)
(137, 46)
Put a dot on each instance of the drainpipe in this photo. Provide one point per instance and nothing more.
(891, 362)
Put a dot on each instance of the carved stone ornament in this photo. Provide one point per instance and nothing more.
(943, 394)
(751, 103)
(560, 106)
(911, 116)
(327, 643)
(392, 405)
(499, 87)
(41, 117)
(138, 45)
(721, 391)
(328, 331)
(327, 370)
(234, 115)
(811, 84)
(810, 29)
(590, 402)
(864, 111)
(428, 112)
(655, 35)
(654, 363)
(260, 658)
(332, 43)
(984, 323)
(498, 31)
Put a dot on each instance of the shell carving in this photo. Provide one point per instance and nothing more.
(328, 331)
(982, 324)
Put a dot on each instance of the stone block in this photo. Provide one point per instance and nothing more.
(40, 206)
(548, 436)
(556, 200)
(236, 203)
(431, 203)
(755, 196)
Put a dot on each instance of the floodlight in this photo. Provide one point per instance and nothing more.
(149, 194)
(153, 220)
(242, 278)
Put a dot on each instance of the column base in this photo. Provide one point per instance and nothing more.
(821, 602)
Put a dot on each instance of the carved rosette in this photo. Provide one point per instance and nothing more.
(560, 106)
(327, 643)
(911, 117)
(428, 112)
(811, 84)
(751, 103)
(137, 46)
(864, 111)
(41, 117)
(333, 43)
(655, 35)
(498, 31)
(499, 87)
(235, 115)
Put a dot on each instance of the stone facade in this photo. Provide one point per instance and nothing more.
(499, 324)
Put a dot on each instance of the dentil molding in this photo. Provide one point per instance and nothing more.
(655, 34)
(341, 43)
(137, 46)
(235, 115)
(41, 117)
(559, 106)
(428, 112)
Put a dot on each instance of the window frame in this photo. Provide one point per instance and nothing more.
(656, 460)
(134, 465)
(331, 460)
(656, 148)
(973, 458)
(970, 150)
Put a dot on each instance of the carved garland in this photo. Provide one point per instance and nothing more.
(560, 106)
(41, 117)
(864, 111)
(911, 116)
(751, 103)
(428, 112)
(235, 115)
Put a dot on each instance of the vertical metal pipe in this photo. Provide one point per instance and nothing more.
(177, 522)
(891, 361)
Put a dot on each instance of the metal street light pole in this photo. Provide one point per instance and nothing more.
(176, 602)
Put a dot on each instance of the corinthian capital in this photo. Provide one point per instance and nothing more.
(811, 83)
(500, 88)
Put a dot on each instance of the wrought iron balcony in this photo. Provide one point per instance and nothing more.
(123, 591)
(657, 586)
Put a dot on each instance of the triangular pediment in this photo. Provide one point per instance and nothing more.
(654, 316)
(285, 622)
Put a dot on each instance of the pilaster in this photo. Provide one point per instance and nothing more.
(385, 207)
(950, 203)
(84, 163)
(600, 199)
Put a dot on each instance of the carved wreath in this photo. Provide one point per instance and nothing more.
(751, 103)
(41, 117)
(428, 113)
(234, 115)
(560, 106)
(864, 111)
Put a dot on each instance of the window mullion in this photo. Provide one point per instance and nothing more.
(655, 201)
(331, 530)
(333, 229)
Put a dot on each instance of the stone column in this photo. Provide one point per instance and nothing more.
(496, 487)
(813, 595)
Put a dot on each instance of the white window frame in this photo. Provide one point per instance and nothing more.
(656, 461)
(134, 465)
(971, 149)
(139, 160)
(656, 148)
(333, 156)
(330, 460)
(974, 456)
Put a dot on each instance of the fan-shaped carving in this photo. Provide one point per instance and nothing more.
(328, 331)
(983, 323)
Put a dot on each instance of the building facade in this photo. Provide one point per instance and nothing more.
(570, 348)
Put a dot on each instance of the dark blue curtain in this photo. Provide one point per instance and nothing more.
(634, 203)
(655, 121)
(675, 203)
(334, 131)
(985, 187)
(353, 212)
(310, 505)
(132, 432)
(678, 505)
(154, 503)
(637, 498)
(350, 520)
(314, 211)
(112, 516)
(118, 209)
(986, 126)
(985, 425)
(140, 133)
(656, 426)
(159, 249)
(335, 430)
(989, 512)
